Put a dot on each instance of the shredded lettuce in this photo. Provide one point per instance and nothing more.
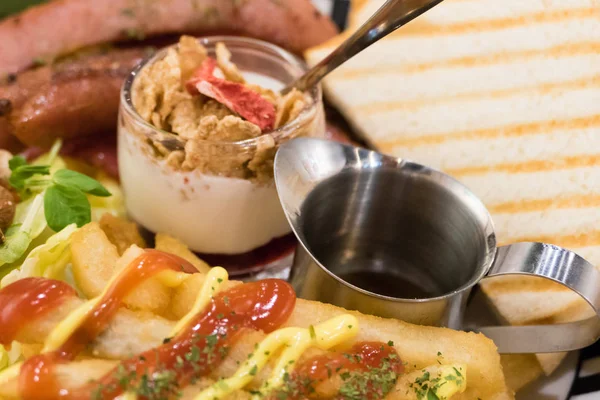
(31, 227)
(29, 223)
(52, 158)
(114, 204)
(48, 260)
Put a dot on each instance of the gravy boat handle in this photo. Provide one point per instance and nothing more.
(558, 265)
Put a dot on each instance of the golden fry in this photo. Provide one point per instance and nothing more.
(169, 244)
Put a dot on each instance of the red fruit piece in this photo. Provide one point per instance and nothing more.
(238, 98)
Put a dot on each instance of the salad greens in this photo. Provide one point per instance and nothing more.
(64, 190)
(53, 196)
(47, 260)
(29, 223)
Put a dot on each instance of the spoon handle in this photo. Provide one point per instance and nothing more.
(391, 16)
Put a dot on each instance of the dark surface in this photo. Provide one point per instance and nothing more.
(386, 284)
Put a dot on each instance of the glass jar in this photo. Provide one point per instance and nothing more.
(218, 209)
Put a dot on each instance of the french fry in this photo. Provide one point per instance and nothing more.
(94, 259)
(150, 295)
(122, 233)
(421, 348)
(169, 244)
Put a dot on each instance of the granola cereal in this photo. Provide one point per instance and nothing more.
(208, 103)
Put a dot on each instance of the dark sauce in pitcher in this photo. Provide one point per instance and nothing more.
(386, 284)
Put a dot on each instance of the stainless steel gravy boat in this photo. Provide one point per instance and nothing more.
(393, 238)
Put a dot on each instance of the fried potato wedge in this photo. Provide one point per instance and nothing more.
(150, 295)
(185, 294)
(35, 331)
(74, 374)
(130, 332)
(122, 233)
(94, 259)
(169, 244)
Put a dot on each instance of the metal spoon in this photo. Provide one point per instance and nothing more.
(391, 16)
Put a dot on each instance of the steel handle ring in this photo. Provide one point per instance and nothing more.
(558, 265)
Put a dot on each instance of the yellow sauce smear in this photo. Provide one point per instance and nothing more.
(295, 340)
(290, 343)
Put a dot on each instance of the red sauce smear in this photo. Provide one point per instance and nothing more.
(263, 305)
(235, 96)
(37, 379)
(362, 358)
(24, 301)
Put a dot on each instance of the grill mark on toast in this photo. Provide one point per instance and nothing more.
(573, 241)
(543, 88)
(421, 27)
(592, 160)
(517, 285)
(522, 206)
(562, 50)
(517, 130)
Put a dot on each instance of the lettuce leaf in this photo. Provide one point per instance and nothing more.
(29, 223)
(115, 204)
(48, 260)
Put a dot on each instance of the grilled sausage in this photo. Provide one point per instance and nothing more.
(62, 26)
(67, 100)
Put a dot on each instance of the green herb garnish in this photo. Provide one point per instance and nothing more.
(374, 383)
(64, 191)
(313, 334)
(253, 370)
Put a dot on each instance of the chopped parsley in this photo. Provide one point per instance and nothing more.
(159, 382)
(253, 370)
(426, 387)
(374, 383)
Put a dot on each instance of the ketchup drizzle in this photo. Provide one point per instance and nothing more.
(37, 380)
(194, 352)
(362, 358)
(24, 301)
